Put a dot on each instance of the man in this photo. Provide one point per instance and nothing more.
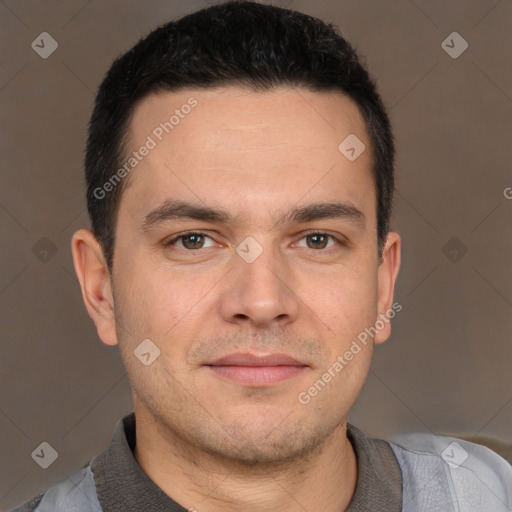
(240, 177)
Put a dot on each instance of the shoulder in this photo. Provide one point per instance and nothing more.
(441, 470)
(77, 493)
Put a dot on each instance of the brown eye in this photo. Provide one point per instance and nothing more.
(318, 241)
(193, 241)
(190, 241)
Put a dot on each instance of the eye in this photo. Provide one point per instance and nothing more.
(190, 241)
(195, 240)
(319, 240)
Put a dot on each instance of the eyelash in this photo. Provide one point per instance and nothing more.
(200, 233)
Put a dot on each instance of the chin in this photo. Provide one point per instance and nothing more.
(265, 446)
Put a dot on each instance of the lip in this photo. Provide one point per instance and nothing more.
(246, 359)
(257, 371)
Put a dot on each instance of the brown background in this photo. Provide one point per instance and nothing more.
(446, 368)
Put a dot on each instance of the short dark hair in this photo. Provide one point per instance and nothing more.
(240, 43)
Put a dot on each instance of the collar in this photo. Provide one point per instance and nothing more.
(121, 482)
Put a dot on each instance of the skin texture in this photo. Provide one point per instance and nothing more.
(207, 441)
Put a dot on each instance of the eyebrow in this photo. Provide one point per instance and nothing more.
(176, 209)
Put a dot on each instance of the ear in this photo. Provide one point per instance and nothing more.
(387, 273)
(94, 277)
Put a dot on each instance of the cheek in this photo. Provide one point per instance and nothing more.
(164, 305)
(346, 299)
(160, 308)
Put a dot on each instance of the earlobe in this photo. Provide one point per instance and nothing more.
(94, 278)
(387, 274)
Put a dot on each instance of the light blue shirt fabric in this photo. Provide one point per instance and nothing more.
(451, 475)
(439, 474)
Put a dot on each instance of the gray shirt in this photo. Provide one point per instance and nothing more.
(412, 473)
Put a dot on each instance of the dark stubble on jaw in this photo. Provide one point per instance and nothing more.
(295, 442)
(298, 442)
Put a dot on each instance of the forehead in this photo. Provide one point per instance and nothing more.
(246, 149)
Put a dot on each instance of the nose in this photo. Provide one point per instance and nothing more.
(259, 293)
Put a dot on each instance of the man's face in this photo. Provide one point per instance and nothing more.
(256, 282)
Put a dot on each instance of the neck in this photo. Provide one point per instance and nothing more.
(323, 480)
